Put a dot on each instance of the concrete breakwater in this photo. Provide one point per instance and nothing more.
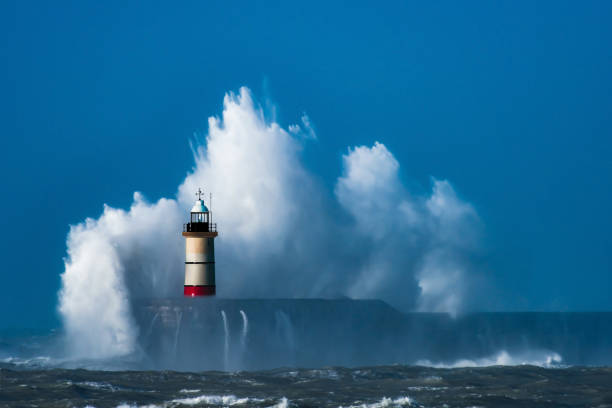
(240, 334)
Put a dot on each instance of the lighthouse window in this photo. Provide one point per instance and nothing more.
(199, 217)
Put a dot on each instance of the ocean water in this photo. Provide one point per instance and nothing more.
(383, 386)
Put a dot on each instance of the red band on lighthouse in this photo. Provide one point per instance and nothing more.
(192, 291)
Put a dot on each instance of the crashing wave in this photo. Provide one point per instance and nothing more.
(547, 359)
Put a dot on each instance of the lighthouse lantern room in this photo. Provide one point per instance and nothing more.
(200, 233)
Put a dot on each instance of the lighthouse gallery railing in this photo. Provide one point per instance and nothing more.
(200, 227)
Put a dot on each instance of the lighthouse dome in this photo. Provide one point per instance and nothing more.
(199, 207)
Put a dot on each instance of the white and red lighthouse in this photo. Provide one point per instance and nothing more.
(200, 235)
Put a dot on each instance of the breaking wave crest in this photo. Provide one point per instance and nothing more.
(385, 402)
(216, 401)
(223, 400)
(547, 359)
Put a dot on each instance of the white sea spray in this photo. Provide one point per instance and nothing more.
(410, 250)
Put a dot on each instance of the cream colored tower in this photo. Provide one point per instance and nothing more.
(200, 234)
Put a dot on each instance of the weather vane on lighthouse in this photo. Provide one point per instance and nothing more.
(199, 193)
(200, 233)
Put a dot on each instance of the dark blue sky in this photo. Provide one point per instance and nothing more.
(510, 101)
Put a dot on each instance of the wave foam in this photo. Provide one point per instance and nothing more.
(283, 403)
(34, 362)
(547, 359)
(224, 400)
(386, 402)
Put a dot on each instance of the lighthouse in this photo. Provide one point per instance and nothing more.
(200, 235)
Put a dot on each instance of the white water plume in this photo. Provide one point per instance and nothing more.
(226, 341)
(110, 260)
(410, 250)
(245, 330)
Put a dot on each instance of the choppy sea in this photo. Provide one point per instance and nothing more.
(25, 385)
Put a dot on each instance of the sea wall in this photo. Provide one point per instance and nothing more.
(237, 334)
